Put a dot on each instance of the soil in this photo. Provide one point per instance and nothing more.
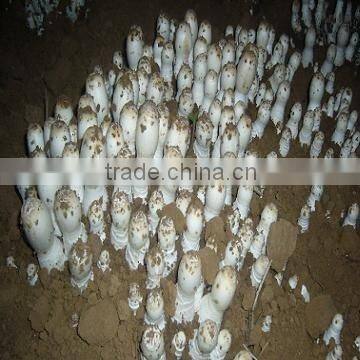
(39, 321)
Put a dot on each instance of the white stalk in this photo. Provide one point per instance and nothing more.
(261, 63)
(184, 79)
(308, 52)
(67, 208)
(246, 72)
(139, 240)
(262, 120)
(134, 46)
(167, 237)
(190, 238)
(306, 130)
(178, 343)
(156, 204)
(258, 270)
(152, 344)
(189, 288)
(338, 135)
(204, 341)
(316, 91)
(350, 49)
(352, 215)
(304, 218)
(120, 218)
(336, 353)
(154, 314)
(278, 109)
(155, 266)
(95, 86)
(134, 297)
(80, 265)
(334, 330)
(294, 119)
(342, 37)
(257, 247)
(103, 262)
(284, 143)
(203, 136)
(317, 144)
(63, 110)
(39, 231)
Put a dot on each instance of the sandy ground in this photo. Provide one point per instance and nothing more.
(37, 322)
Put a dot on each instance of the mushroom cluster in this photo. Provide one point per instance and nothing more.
(145, 106)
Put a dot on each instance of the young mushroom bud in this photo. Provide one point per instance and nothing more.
(304, 218)
(308, 52)
(278, 109)
(96, 219)
(336, 353)
(284, 143)
(315, 196)
(257, 247)
(243, 354)
(316, 91)
(244, 129)
(114, 140)
(243, 200)
(350, 49)
(214, 304)
(34, 138)
(32, 274)
(123, 94)
(186, 103)
(203, 136)
(163, 26)
(204, 341)
(200, 71)
(134, 298)
(67, 209)
(305, 134)
(184, 79)
(138, 240)
(182, 46)
(277, 77)
(232, 254)
(134, 46)
(189, 288)
(246, 72)
(194, 223)
(262, 119)
(155, 266)
(154, 314)
(330, 77)
(210, 90)
(80, 265)
(120, 218)
(39, 231)
(95, 87)
(352, 215)
(155, 88)
(214, 201)
(293, 65)
(317, 144)
(167, 237)
(59, 136)
(178, 344)
(152, 344)
(103, 262)
(167, 60)
(179, 135)
(156, 204)
(223, 345)
(334, 330)
(157, 49)
(338, 135)
(258, 270)
(269, 216)
(342, 36)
